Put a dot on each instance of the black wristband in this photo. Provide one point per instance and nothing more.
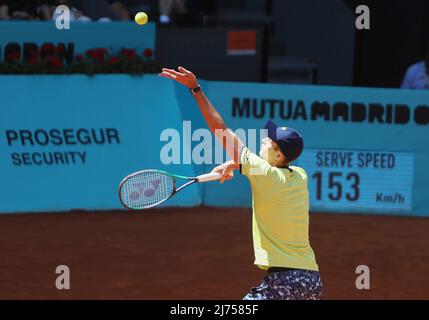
(194, 90)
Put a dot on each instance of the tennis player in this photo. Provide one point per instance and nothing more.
(280, 202)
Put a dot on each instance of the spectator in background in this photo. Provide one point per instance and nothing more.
(417, 75)
(4, 14)
(127, 9)
(95, 9)
(19, 9)
(120, 10)
(169, 8)
(47, 10)
(4, 11)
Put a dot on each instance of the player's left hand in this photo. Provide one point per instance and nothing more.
(183, 76)
(226, 171)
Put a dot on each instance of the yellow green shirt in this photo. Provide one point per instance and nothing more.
(280, 219)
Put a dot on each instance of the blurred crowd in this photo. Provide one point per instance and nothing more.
(417, 75)
(163, 11)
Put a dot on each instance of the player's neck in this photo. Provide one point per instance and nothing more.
(283, 165)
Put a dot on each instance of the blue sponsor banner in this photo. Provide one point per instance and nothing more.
(359, 180)
(66, 142)
(81, 35)
(374, 122)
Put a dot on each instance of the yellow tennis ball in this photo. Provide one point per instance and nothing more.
(141, 18)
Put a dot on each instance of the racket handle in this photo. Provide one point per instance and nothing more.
(208, 177)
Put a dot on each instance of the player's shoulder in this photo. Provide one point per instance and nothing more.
(300, 173)
(416, 67)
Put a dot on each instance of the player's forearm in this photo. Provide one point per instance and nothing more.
(232, 144)
(232, 165)
(210, 114)
(230, 141)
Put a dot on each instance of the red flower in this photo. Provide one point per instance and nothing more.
(100, 58)
(103, 51)
(47, 49)
(132, 54)
(91, 53)
(79, 57)
(113, 60)
(33, 60)
(55, 62)
(60, 49)
(124, 52)
(31, 56)
(97, 54)
(14, 56)
(98, 51)
(129, 53)
(148, 53)
(34, 52)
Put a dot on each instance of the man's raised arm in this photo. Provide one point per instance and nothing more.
(230, 141)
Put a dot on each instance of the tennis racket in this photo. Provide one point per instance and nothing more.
(149, 188)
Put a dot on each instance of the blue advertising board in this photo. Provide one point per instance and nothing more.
(67, 141)
(359, 180)
(366, 150)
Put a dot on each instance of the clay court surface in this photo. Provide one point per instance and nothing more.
(200, 253)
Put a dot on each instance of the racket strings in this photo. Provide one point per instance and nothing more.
(146, 189)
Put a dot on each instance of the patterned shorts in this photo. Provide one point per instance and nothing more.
(294, 284)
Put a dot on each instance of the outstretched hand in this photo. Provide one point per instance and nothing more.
(183, 76)
(226, 171)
